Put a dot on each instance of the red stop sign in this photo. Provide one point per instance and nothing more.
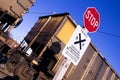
(91, 19)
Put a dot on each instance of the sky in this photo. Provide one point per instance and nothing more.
(107, 37)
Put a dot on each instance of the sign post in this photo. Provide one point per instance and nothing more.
(73, 51)
(79, 41)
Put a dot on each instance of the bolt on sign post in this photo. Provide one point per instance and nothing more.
(91, 19)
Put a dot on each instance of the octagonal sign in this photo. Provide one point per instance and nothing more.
(91, 19)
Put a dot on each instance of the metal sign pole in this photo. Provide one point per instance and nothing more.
(73, 51)
(62, 69)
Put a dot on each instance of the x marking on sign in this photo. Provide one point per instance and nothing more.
(80, 41)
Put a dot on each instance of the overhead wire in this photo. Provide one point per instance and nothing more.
(106, 33)
(41, 13)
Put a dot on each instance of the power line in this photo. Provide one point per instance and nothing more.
(106, 33)
(41, 13)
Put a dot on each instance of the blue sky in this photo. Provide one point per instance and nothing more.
(107, 44)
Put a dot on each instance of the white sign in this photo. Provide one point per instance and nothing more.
(76, 46)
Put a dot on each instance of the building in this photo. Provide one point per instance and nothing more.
(48, 38)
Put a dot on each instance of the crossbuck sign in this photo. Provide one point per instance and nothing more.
(76, 46)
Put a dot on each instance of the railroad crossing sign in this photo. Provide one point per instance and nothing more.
(91, 19)
(80, 41)
(76, 46)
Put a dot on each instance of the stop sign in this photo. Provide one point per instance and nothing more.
(91, 19)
